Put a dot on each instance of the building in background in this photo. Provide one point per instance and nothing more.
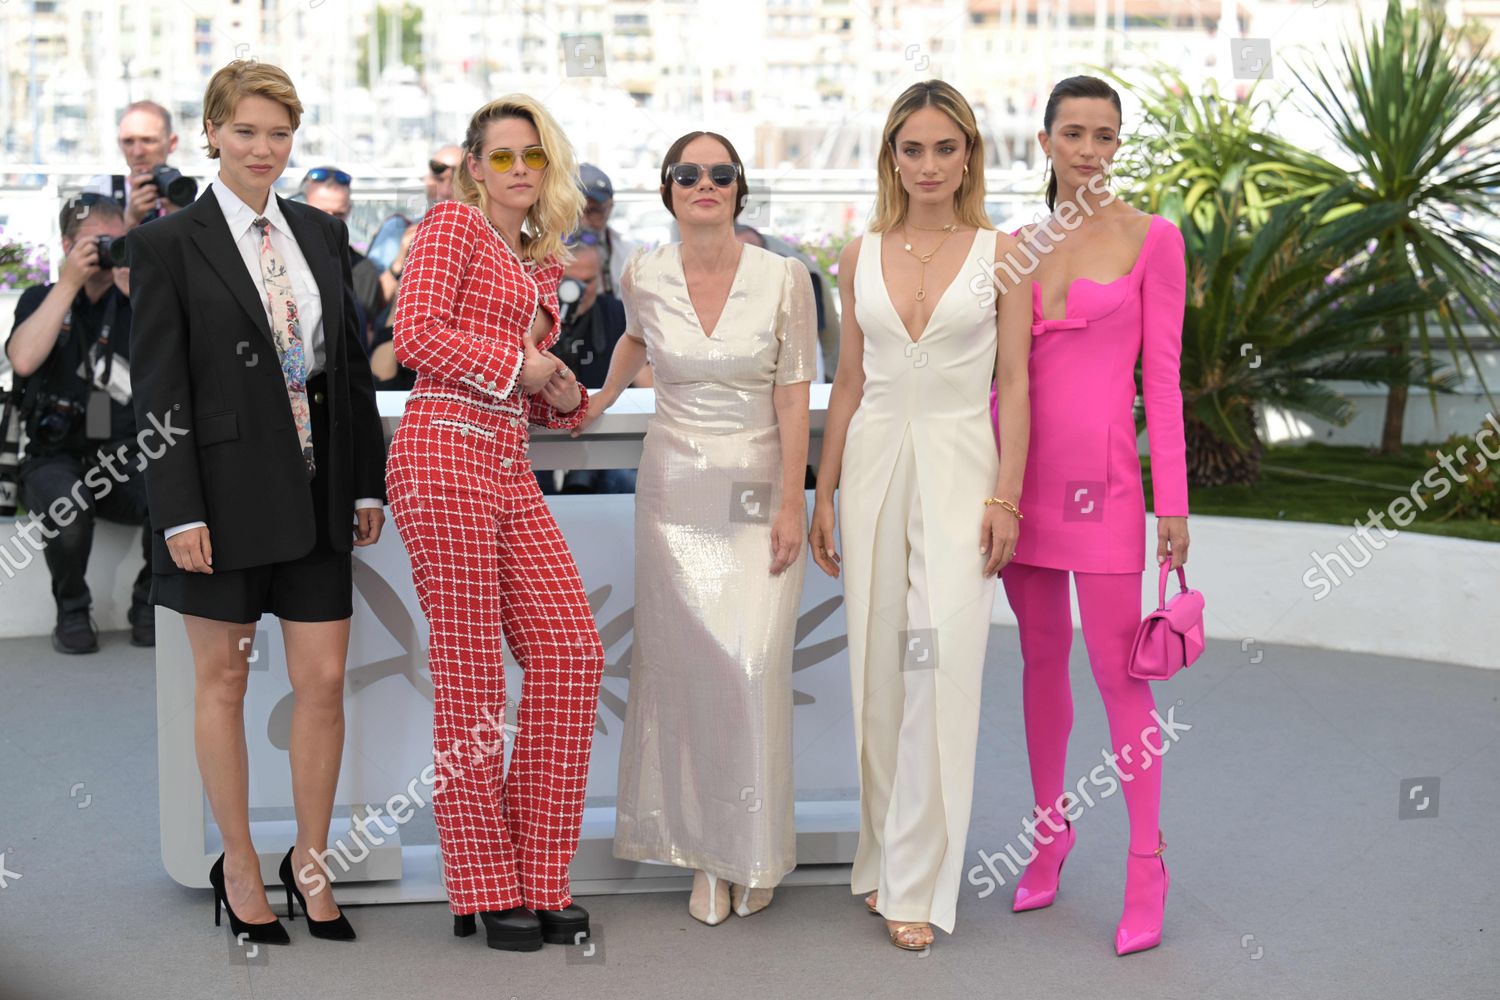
(801, 86)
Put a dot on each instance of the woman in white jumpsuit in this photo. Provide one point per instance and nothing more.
(927, 508)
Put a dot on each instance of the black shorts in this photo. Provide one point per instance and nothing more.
(318, 587)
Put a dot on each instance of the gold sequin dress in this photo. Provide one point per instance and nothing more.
(706, 755)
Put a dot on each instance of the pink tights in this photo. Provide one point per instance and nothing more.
(1110, 606)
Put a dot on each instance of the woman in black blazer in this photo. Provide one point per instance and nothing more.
(251, 368)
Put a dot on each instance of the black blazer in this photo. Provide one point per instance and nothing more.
(204, 359)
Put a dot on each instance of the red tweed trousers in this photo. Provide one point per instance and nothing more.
(492, 568)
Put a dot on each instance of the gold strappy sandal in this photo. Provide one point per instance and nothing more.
(899, 932)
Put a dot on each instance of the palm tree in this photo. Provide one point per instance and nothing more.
(1416, 105)
(1193, 144)
(1274, 314)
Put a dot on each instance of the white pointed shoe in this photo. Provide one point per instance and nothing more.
(745, 901)
(710, 899)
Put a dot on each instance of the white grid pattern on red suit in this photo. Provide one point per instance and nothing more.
(490, 564)
(464, 307)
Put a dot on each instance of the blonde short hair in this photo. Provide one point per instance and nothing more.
(891, 199)
(557, 209)
(240, 79)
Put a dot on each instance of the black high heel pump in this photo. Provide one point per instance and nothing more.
(270, 933)
(337, 929)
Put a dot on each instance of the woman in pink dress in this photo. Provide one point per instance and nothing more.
(1107, 290)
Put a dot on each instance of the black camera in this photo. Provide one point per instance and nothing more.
(56, 416)
(113, 252)
(171, 183)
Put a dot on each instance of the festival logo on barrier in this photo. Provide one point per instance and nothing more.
(393, 613)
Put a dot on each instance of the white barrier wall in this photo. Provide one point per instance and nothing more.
(1419, 597)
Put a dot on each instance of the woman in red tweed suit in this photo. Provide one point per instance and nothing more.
(476, 312)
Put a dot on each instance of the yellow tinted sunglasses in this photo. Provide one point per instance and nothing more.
(502, 160)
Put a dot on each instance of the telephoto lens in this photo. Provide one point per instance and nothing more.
(180, 190)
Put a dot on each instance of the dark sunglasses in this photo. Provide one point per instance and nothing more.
(321, 174)
(438, 167)
(687, 174)
(502, 160)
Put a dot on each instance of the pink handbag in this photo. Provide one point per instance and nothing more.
(1171, 637)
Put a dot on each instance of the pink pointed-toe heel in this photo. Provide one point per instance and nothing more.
(1146, 883)
(1037, 887)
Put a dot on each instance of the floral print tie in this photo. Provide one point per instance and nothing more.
(286, 329)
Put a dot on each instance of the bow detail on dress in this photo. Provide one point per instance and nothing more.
(1042, 326)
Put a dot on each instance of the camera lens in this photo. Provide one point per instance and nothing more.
(169, 181)
(57, 419)
(107, 250)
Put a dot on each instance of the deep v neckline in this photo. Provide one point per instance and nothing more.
(1040, 300)
(724, 307)
(880, 266)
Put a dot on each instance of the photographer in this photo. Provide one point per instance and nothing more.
(151, 189)
(595, 230)
(592, 323)
(330, 190)
(71, 346)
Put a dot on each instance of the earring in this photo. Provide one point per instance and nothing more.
(898, 171)
(966, 168)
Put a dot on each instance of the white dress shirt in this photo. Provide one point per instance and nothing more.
(241, 218)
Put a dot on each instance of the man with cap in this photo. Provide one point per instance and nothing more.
(614, 249)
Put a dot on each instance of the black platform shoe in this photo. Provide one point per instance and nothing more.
(515, 929)
(567, 926)
(337, 929)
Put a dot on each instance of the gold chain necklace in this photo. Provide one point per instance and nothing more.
(923, 258)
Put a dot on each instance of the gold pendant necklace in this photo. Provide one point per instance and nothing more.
(923, 258)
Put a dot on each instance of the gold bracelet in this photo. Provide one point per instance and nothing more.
(1007, 505)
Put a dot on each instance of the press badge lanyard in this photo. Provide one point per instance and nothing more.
(102, 349)
(98, 368)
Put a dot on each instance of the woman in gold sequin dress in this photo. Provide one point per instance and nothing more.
(730, 331)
